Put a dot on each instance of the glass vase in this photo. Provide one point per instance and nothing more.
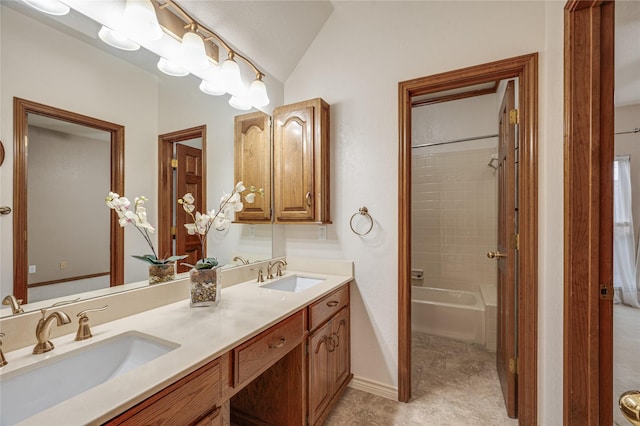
(205, 287)
(162, 273)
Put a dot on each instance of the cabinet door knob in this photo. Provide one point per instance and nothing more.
(308, 198)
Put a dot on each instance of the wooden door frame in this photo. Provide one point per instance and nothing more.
(525, 68)
(21, 108)
(588, 211)
(165, 179)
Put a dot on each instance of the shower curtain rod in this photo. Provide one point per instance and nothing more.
(624, 132)
(474, 138)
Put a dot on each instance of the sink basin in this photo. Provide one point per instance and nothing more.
(293, 283)
(29, 390)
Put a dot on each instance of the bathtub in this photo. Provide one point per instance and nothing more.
(455, 314)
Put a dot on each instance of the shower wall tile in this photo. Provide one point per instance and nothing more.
(454, 218)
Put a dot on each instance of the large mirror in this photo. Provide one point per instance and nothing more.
(60, 62)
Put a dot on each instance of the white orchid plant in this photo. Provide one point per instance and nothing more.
(138, 217)
(220, 220)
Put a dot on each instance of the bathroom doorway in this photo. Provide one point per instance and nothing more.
(525, 70)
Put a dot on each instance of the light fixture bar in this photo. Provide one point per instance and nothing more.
(209, 34)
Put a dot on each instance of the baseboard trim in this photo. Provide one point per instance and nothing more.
(375, 388)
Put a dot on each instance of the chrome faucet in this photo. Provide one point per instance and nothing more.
(43, 330)
(243, 260)
(11, 300)
(279, 264)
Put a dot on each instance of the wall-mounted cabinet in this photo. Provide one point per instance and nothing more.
(297, 167)
(301, 162)
(252, 163)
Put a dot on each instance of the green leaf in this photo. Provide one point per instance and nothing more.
(149, 258)
(176, 258)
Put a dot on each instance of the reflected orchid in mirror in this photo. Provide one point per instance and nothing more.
(220, 220)
(138, 217)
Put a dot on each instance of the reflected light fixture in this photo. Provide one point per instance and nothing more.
(212, 84)
(172, 67)
(117, 39)
(50, 7)
(140, 21)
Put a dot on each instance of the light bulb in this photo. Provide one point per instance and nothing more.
(140, 21)
(258, 93)
(51, 7)
(171, 67)
(230, 72)
(116, 39)
(193, 55)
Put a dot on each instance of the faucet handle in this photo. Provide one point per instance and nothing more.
(260, 274)
(62, 302)
(84, 331)
(3, 361)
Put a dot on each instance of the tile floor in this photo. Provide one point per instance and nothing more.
(454, 383)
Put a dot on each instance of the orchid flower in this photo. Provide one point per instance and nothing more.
(220, 220)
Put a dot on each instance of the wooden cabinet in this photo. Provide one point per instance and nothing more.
(193, 400)
(329, 353)
(252, 164)
(301, 162)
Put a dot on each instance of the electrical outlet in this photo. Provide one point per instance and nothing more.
(63, 264)
(322, 232)
(252, 231)
(32, 269)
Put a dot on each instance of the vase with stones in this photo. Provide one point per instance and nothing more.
(161, 273)
(205, 287)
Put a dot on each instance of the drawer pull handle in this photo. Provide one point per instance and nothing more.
(332, 303)
(308, 198)
(279, 344)
(333, 346)
(337, 339)
(322, 340)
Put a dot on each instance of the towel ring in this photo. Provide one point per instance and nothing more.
(363, 211)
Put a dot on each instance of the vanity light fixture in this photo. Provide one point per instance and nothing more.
(117, 39)
(183, 44)
(139, 21)
(193, 55)
(51, 7)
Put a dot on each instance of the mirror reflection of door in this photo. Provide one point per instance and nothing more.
(626, 209)
(182, 169)
(65, 164)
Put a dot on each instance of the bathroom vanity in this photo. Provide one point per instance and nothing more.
(263, 356)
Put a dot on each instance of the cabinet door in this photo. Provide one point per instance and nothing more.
(320, 377)
(293, 163)
(252, 163)
(341, 355)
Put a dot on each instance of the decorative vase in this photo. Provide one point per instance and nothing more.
(205, 287)
(162, 273)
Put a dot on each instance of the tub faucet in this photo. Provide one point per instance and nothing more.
(279, 264)
(11, 300)
(43, 330)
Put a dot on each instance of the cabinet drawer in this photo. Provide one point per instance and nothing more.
(261, 352)
(189, 399)
(328, 306)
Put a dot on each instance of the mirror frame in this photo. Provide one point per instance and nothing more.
(22, 107)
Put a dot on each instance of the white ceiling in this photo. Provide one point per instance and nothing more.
(274, 34)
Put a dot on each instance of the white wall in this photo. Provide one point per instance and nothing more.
(355, 64)
(626, 118)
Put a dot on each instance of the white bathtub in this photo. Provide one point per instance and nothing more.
(455, 314)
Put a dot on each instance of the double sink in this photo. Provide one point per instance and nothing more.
(32, 389)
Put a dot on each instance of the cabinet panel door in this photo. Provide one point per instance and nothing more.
(252, 163)
(294, 165)
(341, 354)
(320, 377)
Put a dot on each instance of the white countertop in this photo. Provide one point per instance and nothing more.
(202, 333)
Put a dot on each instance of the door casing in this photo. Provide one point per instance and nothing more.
(525, 68)
(588, 211)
